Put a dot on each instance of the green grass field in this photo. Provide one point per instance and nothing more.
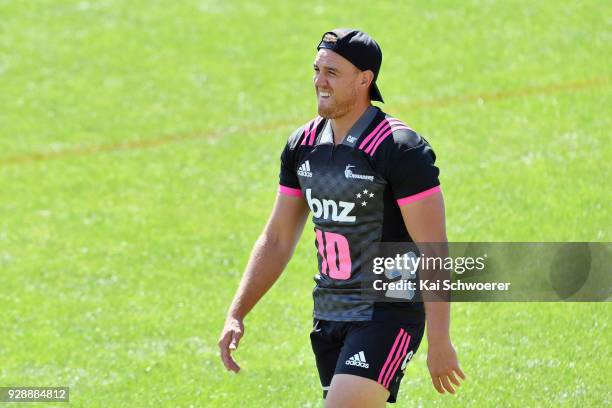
(139, 153)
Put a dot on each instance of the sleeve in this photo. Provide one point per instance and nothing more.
(289, 183)
(410, 168)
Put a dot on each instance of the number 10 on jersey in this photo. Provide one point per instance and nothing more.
(335, 254)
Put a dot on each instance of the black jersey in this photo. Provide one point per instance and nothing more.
(354, 191)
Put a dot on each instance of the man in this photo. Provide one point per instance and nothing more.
(367, 178)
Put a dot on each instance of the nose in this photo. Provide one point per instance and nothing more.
(320, 80)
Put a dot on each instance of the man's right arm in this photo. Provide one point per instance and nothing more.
(268, 259)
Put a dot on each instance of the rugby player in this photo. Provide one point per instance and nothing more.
(366, 177)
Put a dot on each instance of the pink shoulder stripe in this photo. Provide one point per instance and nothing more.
(294, 192)
(310, 130)
(377, 141)
(386, 127)
(383, 123)
(418, 196)
(313, 131)
(395, 124)
(306, 130)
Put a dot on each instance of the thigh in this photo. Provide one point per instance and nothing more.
(348, 390)
(379, 352)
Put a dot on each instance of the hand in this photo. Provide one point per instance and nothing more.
(228, 342)
(443, 365)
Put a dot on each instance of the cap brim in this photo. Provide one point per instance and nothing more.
(375, 93)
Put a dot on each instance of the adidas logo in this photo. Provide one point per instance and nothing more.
(304, 169)
(358, 360)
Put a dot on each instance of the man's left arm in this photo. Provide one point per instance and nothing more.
(425, 222)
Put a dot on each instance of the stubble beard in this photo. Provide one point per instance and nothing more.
(338, 109)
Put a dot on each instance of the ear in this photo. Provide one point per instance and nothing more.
(366, 78)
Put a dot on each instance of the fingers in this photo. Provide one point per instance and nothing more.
(454, 380)
(444, 368)
(442, 382)
(225, 351)
(436, 383)
(230, 337)
(447, 386)
(236, 336)
(230, 363)
(459, 372)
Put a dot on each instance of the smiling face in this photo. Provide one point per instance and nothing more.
(338, 84)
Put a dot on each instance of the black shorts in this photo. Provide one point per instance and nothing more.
(372, 349)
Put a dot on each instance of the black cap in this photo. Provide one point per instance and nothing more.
(359, 48)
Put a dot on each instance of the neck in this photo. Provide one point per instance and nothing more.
(343, 124)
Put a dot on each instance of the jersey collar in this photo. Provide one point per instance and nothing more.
(327, 135)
